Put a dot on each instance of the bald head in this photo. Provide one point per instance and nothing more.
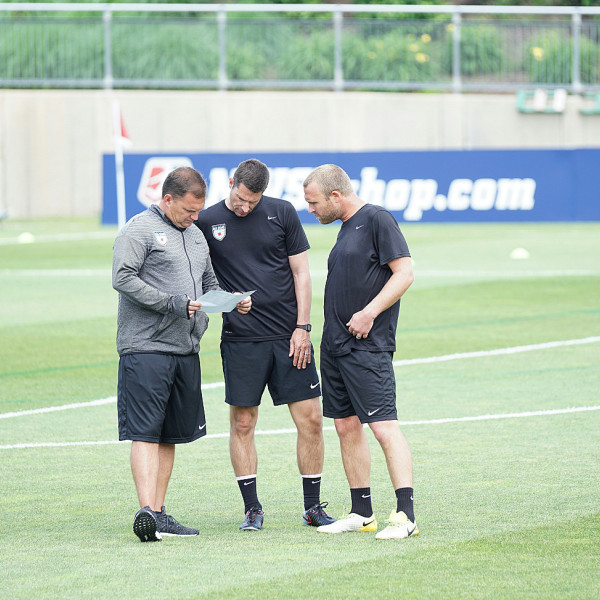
(329, 194)
(329, 179)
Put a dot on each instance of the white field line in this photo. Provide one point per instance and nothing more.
(101, 401)
(497, 352)
(60, 237)
(55, 272)
(439, 274)
(397, 363)
(529, 414)
(490, 273)
(506, 273)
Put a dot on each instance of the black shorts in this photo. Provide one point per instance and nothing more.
(159, 398)
(360, 383)
(250, 366)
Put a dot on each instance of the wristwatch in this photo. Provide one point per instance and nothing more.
(306, 327)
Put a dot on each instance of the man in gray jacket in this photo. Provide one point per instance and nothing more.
(161, 266)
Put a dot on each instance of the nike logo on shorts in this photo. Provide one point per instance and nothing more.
(269, 218)
(372, 412)
(360, 226)
(313, 385)
(201, 427)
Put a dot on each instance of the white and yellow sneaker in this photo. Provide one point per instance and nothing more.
(399, 527)
(352, 522)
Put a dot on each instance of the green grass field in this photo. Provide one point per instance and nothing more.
(506, 445)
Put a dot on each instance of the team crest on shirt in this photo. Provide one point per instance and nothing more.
(219, 232)
(161, 237)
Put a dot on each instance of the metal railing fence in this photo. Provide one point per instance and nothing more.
(260, 46)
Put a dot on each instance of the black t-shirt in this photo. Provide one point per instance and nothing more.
(357, 270)
(251, 253)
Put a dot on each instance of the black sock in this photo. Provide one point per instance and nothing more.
(311, 485)
(361, 501)
(404, 502)
(248, 488)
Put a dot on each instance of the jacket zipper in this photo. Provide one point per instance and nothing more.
(193, 284)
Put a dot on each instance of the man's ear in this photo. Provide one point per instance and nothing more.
(335, 196)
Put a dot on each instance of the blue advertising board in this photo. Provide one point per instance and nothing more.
(425, 186)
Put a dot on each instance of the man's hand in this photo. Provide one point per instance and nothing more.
(244, 306)
(360, 324)
(193, 306)
(300, 348)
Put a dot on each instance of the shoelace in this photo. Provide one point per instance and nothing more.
(319, 508)
(252, 514)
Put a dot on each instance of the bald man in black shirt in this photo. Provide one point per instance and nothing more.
(368, 271)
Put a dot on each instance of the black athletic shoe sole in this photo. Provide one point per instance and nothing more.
(144, 526)
(250, 528)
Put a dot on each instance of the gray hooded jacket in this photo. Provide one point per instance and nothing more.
(157, 268)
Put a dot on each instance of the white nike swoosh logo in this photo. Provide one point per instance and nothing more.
(313, 386)
(372, 412)
(248, 482)
(269, 218)
(360, 226)
(201, 427)
(315, 482)
(366, 496)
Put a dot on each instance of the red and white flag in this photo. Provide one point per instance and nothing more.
(121, 132)
(121, 140)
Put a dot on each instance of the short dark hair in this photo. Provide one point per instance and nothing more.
(253, 174)
(183, 180)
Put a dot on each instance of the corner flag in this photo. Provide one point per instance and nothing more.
(121, 140)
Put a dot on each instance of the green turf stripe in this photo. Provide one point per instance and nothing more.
(504, 321)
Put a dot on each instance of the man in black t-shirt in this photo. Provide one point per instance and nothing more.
(257, 243)
(368, 270)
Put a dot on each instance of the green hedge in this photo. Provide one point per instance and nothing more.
(186, 49)
(172, 50)
(481, 50)
(51, 50)
(548, 58)
(390, 57)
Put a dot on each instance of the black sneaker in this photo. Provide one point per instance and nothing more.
(254, 520)
(167, 525)
(145, 526)
(316, 516)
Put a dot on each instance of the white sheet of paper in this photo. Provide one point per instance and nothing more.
(219, 301)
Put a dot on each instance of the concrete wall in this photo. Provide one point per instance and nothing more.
(51, 142)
